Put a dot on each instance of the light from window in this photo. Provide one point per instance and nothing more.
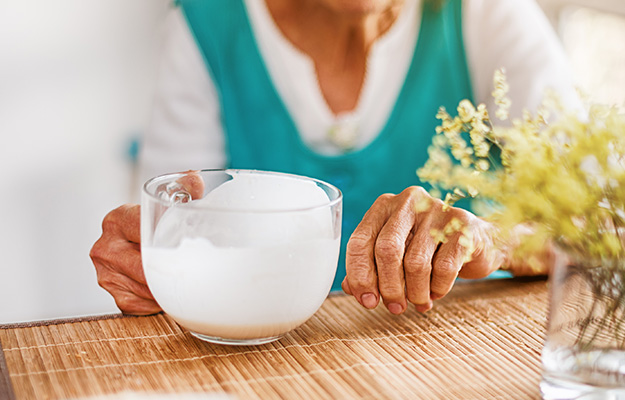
(595, 43)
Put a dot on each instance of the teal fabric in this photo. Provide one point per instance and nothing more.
(260, 133)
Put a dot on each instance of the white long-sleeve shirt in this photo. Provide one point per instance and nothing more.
(185, 131)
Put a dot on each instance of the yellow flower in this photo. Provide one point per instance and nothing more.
(500, 94)
(565, 178)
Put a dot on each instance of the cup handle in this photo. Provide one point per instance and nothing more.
(173, 193)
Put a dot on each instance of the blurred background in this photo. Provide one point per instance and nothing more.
(76, 82)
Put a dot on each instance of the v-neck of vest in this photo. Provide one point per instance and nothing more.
(418, 53)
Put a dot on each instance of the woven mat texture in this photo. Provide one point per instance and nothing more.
(482, 341)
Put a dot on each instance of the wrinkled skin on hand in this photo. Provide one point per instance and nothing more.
(116, 255)
(392, 254)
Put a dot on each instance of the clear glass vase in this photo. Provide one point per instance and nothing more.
(584, 353)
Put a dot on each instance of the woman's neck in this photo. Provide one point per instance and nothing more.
(337, 39)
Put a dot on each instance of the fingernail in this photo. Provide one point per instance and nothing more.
(424, 307)
(369, 300)
(395, 308)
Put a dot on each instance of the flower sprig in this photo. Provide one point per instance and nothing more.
(564, 178)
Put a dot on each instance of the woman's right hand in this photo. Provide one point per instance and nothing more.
(116, 255)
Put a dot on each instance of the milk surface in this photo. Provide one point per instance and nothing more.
(255, 258)
(250, 210)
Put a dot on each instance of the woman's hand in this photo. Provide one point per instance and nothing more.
(116, 255)
(393, 253)
(117, 259)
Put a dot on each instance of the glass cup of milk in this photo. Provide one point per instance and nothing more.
(239, 256)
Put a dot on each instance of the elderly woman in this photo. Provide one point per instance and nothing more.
(345, 91)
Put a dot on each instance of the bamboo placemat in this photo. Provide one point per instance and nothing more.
(481, 341)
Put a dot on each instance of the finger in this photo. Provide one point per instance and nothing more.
(193, 184)
(113, 280)
(115, 254)
(418, 267)
(483, 262)
(446, 265)
(119, 246)
(360, 257)
(345, 287)
(389, 255)
(124, 222)
(130, 296)
(127, 260)
(129, 303)
(487, 257)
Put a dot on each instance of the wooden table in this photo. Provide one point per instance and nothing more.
(482, 341)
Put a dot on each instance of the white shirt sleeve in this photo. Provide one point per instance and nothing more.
(185, 131)
(515, 35)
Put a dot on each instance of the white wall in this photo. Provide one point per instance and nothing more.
(76, 81)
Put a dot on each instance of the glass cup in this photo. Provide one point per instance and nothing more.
(238, 256)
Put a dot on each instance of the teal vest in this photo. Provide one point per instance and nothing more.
(260, 133)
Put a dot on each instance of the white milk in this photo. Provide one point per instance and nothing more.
(223, 271)
(241, 293)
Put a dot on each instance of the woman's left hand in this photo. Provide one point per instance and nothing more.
(394, 252)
